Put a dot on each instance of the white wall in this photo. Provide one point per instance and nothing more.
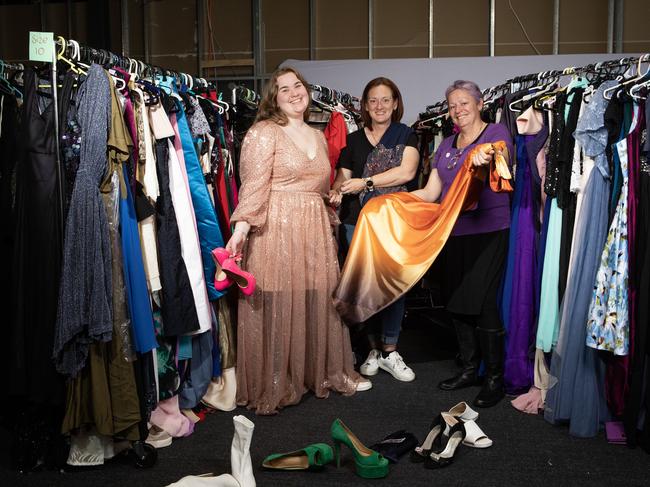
(423, 81)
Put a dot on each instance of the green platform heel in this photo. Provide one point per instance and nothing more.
(312, 457)
(369, 463)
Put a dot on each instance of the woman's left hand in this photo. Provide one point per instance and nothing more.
(483, 158)
(335, 197)
(353, 186)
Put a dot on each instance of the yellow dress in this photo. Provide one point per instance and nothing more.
(398, 236)
(290, 338)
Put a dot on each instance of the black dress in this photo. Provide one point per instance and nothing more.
(178, 308)
(37, 256)
(638, 400)
(37, 389)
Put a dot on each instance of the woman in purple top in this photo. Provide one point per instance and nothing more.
(473, 260)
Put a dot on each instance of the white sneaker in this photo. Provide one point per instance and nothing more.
(395, 366)
(364, 385)
(371, 365)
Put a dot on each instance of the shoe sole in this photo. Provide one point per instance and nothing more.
(364, 388)
(394, 376)
(478, 445)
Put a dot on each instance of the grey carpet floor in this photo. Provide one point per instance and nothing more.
(527, 451)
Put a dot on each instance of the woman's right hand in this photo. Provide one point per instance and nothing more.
(483, 157)
(235, 245)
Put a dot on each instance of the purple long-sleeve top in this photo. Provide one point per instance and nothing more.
(493, 210)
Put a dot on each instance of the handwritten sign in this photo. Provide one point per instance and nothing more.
(41, 46)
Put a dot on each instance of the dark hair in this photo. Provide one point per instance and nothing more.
(396, 116)
(469, 86)
(268, 108)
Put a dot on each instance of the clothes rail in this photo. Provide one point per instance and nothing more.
(244, 93)
(613, 68)
(77, 58)
(9, 66)
(332, 96)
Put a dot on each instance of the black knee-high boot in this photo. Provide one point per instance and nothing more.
(469, 356)
(492, 348)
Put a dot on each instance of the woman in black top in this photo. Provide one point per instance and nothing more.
(379, 159)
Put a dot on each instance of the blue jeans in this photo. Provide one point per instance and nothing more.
(389, 320)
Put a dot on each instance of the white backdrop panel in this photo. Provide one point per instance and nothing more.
(423, 81)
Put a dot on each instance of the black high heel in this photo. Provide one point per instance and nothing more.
(456, 436)
(420, 453)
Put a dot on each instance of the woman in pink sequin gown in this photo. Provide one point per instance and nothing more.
(290, 338)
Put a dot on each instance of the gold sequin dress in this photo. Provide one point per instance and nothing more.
(290, 338)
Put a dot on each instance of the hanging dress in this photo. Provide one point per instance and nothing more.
(178, 309)
(84, 313)
(608, 320)
(576, 394)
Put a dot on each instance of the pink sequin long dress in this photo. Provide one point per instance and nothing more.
(290, 338)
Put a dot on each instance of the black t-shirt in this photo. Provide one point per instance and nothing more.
(353, 157)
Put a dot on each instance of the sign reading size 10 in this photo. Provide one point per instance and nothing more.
(41, 46)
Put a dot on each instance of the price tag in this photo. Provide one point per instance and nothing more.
(41, 46)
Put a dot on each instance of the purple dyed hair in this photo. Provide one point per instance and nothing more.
(469, 86)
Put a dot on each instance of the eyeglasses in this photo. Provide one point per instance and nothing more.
(373, 102)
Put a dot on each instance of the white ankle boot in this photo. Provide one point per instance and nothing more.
(240, 461)
(240, 455)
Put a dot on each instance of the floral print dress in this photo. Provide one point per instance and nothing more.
(608, 325)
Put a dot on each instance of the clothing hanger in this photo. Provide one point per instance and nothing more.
(60, 56)
(543, 87)
(638, 86)
(219, 107)
(224, 105)
(133, 70)
(432, 122)
(607, 94)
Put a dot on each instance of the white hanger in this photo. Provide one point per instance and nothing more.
(225, 106)
(609, 91)
(637, 87)
(543, 88)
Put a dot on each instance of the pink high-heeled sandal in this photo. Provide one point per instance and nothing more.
(221, 278)
(245, 280)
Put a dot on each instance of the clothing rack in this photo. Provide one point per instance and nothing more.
(331, 96)
(243, 93)
(13, 67)
(611, 68)
(78, 58)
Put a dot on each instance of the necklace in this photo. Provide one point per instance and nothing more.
(459, 151)
(373, 139)
(476, 133)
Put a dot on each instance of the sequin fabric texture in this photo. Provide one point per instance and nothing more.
(290, 337)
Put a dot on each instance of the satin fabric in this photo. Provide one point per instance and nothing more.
(398, 236)
(518, 368)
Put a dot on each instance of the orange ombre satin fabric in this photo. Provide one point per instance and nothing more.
(398, 236)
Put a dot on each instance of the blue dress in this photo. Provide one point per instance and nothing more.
(577, 393)
(608, 327)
